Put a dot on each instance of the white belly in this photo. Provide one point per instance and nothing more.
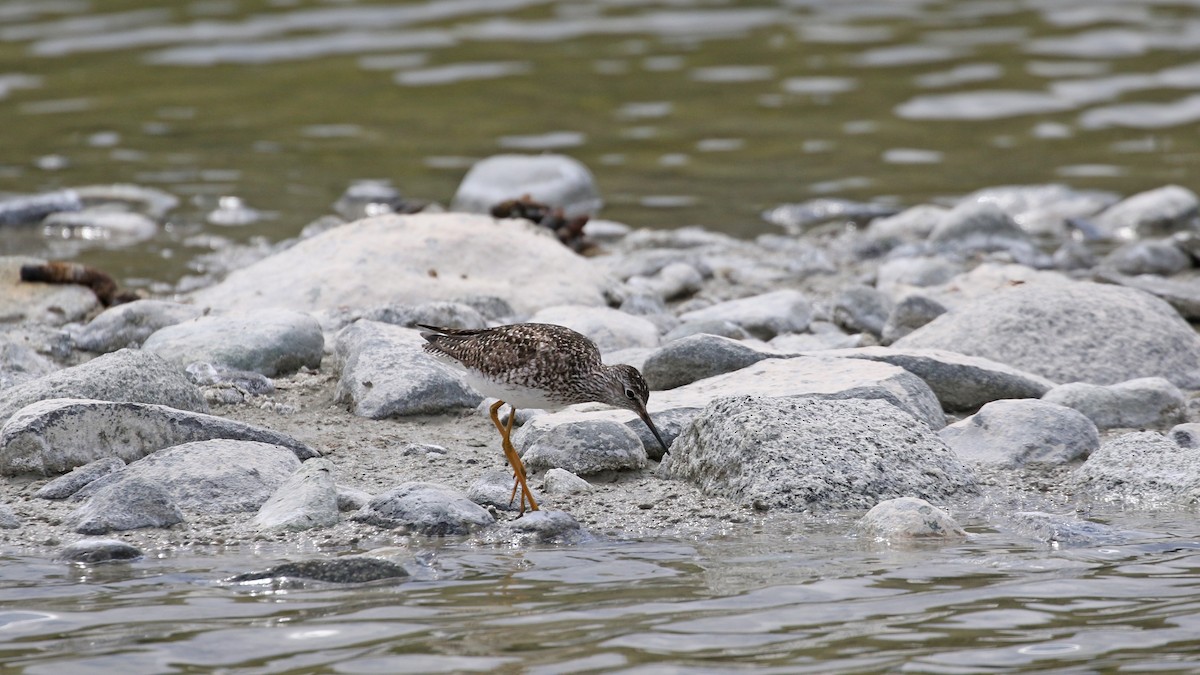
(515, 395)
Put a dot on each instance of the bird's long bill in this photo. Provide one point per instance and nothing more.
(653, 429)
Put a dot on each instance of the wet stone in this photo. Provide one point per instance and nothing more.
(92, 551)
(555, 180)
(1141, 470)
(908, 519)
(425, 508)
(1062, 530)
(351, 499)
(537, 527)
(1155, 212)
(347, 570)
(68, 484)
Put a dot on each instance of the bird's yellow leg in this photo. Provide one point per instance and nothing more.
(518, 467)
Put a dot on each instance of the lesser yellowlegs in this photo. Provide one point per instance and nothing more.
(537, 365)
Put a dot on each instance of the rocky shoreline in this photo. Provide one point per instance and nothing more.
(900, 365)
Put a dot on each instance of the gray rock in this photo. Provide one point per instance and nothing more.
(583, 448)
(556, 180)
(1142, 469)
(373, 262)
(26, 209)
(8, 518)
(1186, 435)
(351, 499)
(1152, 213)
(1013, 433)
(495, 488)
(68, 484)
(670, 423)
(719, 327)
(217, 476)
(538, 527)
(91, 551)
(960, 382)
(1181, 293)
(344, 570)
(674, 281)
(696, 357)
(307, 499)
(795, 343)
(447, 314)
(912, 224)
(492, 307)
(385, 372)
(1159, 256)
(899, 277)
(908, 519)
(1043, 210)
(57, 435)
(563, 482)
(610, 329)
(129, 324)
(1144, 402)
(226, 385)
(272, 342)
(764, 316)
(20, 363)
(124, 375)
(982, 227)
(861, 309)
(1071, 332)
(1062, 530)
(129, 504)
(1074, 255)
(52, 304)
(912, 312)
(425, 508)
(804, 454)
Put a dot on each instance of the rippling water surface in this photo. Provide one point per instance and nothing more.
(688, 111)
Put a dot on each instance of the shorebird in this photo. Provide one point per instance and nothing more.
(536, 365)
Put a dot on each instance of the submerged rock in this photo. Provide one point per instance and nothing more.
(1062, 530)
(57, 435)
(1013, 433)
(802, 454)
(91, 551)
(908, 519)
(345, 570)
(124, 375)
(425, 508)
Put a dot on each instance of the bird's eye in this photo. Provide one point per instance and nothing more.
(631, 394)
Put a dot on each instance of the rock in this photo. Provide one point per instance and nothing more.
(1141, 469)
(129, 504)
(1160, 257)
(1010, 434)
(861, 309)
(793, 343)
(19, 364)
(57, 435)
(988, 278)
(563, 482)
(1182, 294)
(68, 484)
(1073, 255)
(719, 327)
(1152, 213)
(908, 519)
(8, 519)
(1071, 332)
(373, 262)
(899, 277)
(129, 324)
(344, 570)
(91, 551)
(670, 423)
(610, 329)
(495, 488)
(385, 372)
(1062, 530)
(674, 281)
(425, 508)
(960, 382)
(492, 307)
(583, 448)
(28, 209)
(53, 304)
(763, 316)
(351, 499)
(982, 227)
(124, 375)
(444, 314)
(1043, 210)
(912, 224)
(555, 180)
(804, 454)
(272, 342)
(226, 385)
(912, 312)
(538, 527)
(1144, 402)
(217, 476)
(307, 499)
(696, 357)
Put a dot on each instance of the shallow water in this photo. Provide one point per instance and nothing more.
(688, 111)
(778, 595)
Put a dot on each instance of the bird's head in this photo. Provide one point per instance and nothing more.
(628, 389)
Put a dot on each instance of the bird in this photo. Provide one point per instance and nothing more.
(536, 365)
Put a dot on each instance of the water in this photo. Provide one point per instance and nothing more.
(688, 112)
(777, 595)
(701, 112)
